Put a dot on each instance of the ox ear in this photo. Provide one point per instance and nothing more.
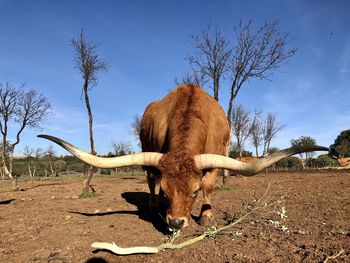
(206, 161)
(144, 159)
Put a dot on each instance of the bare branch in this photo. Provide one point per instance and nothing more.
(197, 78)
(121, 148)
(32, 109)
(213, 53)
(241, 126)
(87, 62)
(135, 126)
(256, 131)
(271, 127)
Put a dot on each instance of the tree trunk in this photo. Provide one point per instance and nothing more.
(30, 173)
(51, 168)
(216, 89)
(12, 177)
(90, 173)
(6, 170)
(87, 179)
(34, 171)
(303, 161)
(227, 172)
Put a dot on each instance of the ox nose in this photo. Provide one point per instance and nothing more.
(176, 223)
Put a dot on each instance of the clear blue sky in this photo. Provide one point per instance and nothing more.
(145, 43)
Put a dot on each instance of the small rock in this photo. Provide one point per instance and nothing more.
(75, 196)
(67, 217)
(301, 232)
(97, 211)
(109, 210)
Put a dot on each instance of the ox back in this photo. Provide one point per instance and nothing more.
(186, 120)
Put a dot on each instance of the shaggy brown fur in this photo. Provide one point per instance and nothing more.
(184, 123)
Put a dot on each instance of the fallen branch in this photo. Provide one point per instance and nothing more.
(260, 204)
(124, 251)
(151, 250)
(334, 257)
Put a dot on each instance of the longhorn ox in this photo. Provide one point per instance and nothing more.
(184, 137)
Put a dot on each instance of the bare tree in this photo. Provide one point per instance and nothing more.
(213, 53)
(50, 155)
(28, 153)
(135, 127)
(241, 127)
(121, 148)
(89, 64)
(25, 109)
(256, 55)
(253, 54)
(256, 131)
(271, 127)
(32, 155)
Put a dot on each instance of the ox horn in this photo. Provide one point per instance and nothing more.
(145, 158)
(207, 161)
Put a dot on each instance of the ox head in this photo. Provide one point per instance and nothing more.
(181, 179)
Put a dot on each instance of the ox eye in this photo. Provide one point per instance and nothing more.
(194, 194)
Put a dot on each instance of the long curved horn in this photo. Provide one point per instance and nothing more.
(145, 158)
(207, 161)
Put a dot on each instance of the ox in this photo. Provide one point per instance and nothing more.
(184, 138)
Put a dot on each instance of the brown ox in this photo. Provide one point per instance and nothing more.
(184, 138)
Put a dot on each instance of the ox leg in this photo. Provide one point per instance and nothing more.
(208, 184)
(152, 180)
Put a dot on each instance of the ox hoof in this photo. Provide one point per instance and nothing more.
(207, 221)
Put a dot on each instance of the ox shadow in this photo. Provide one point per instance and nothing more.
(122, 212)
(40, 185)
(141, 201)
(96, 260)
(6, 202)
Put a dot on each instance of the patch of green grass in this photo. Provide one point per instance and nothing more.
(222, 187)
(87, 195)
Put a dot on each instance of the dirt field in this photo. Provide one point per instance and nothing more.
(47, 222)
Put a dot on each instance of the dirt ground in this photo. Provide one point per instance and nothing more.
(47, 222)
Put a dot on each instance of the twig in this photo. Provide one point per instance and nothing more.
(334, 257)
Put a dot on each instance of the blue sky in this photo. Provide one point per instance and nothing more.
(145, 43)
